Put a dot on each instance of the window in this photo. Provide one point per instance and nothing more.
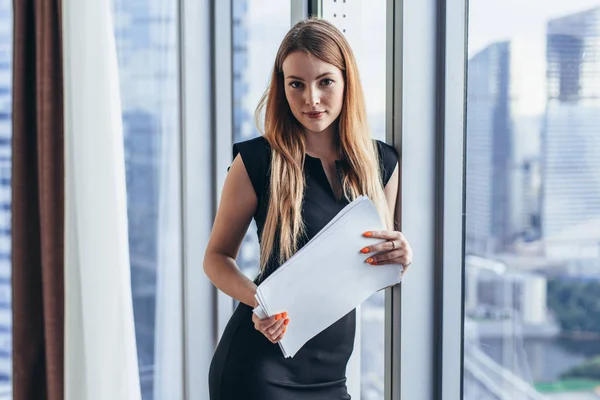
(147, 50)
(258, 27)
(364, 25)
(5, 199)
(532, 264)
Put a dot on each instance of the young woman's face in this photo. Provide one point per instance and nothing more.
(314, 90)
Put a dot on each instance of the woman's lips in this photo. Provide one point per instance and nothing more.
(315, 115)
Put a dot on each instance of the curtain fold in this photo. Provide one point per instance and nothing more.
(37, 201)
(100, 353)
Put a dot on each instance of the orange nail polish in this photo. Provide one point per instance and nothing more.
(287, 321)
(277, 317)
(284, 315)
(369, 260)
(284, 329)
(364, 250)
(368, 234)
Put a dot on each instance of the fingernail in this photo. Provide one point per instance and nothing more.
(277, 317)
(368, 234)
(364, 250)
(284, 315)
(284, 329)
(287, 321)
(369, 260)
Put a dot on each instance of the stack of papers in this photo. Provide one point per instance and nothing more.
(327, 278)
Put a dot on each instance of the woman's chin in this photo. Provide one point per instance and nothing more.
(317, 126)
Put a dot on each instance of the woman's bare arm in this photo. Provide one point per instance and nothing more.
(237, 206)
(391, 196)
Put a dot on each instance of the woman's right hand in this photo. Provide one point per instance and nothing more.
(273, 328)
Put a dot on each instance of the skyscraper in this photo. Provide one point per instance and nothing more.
(571, 138)
(5, 195)
(489, 149)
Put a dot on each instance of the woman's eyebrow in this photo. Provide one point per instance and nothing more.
(300, 79)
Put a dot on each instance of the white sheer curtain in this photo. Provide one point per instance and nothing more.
(100, 350)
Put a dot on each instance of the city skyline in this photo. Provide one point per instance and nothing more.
(532, 131)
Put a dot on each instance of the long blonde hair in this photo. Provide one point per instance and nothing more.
(323, 41)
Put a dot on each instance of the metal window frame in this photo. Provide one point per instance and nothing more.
(198, 171)
(393, 136)
(451, 168)
(222, 132)
(301, 9)
(424, 321)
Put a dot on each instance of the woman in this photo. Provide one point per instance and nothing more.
(315, 156)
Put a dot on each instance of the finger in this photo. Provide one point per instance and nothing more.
(384, 256)
(388, 245)
(280, 336)
(274, 335)
(384, 234)
(271, 331)
(268, 322)
(389, 255)
(400, 260)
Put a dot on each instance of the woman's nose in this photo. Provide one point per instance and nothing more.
(312, 97)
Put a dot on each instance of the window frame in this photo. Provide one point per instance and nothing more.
(451, 207)
(198, 134)
(424, 314)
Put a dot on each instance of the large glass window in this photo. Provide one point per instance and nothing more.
(5, 198)
(364, 25)
(532, 267)
(258, 27)
(147, 50)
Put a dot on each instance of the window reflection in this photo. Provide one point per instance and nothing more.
(532, 270)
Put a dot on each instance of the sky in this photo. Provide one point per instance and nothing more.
(523, 22)
(492, 20)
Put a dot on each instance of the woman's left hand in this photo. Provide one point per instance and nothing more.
(393, 250)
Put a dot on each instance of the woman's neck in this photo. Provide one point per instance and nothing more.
(323, 145)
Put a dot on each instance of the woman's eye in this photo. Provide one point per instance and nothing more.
(326, 82)
(296, 84)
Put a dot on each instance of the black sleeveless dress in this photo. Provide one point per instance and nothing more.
(246, 365)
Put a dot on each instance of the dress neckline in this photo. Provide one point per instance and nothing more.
(315, 165)
(317, 158)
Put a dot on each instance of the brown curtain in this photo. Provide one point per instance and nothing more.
(37, 202)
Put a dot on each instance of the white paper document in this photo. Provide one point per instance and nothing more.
(327, 278)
